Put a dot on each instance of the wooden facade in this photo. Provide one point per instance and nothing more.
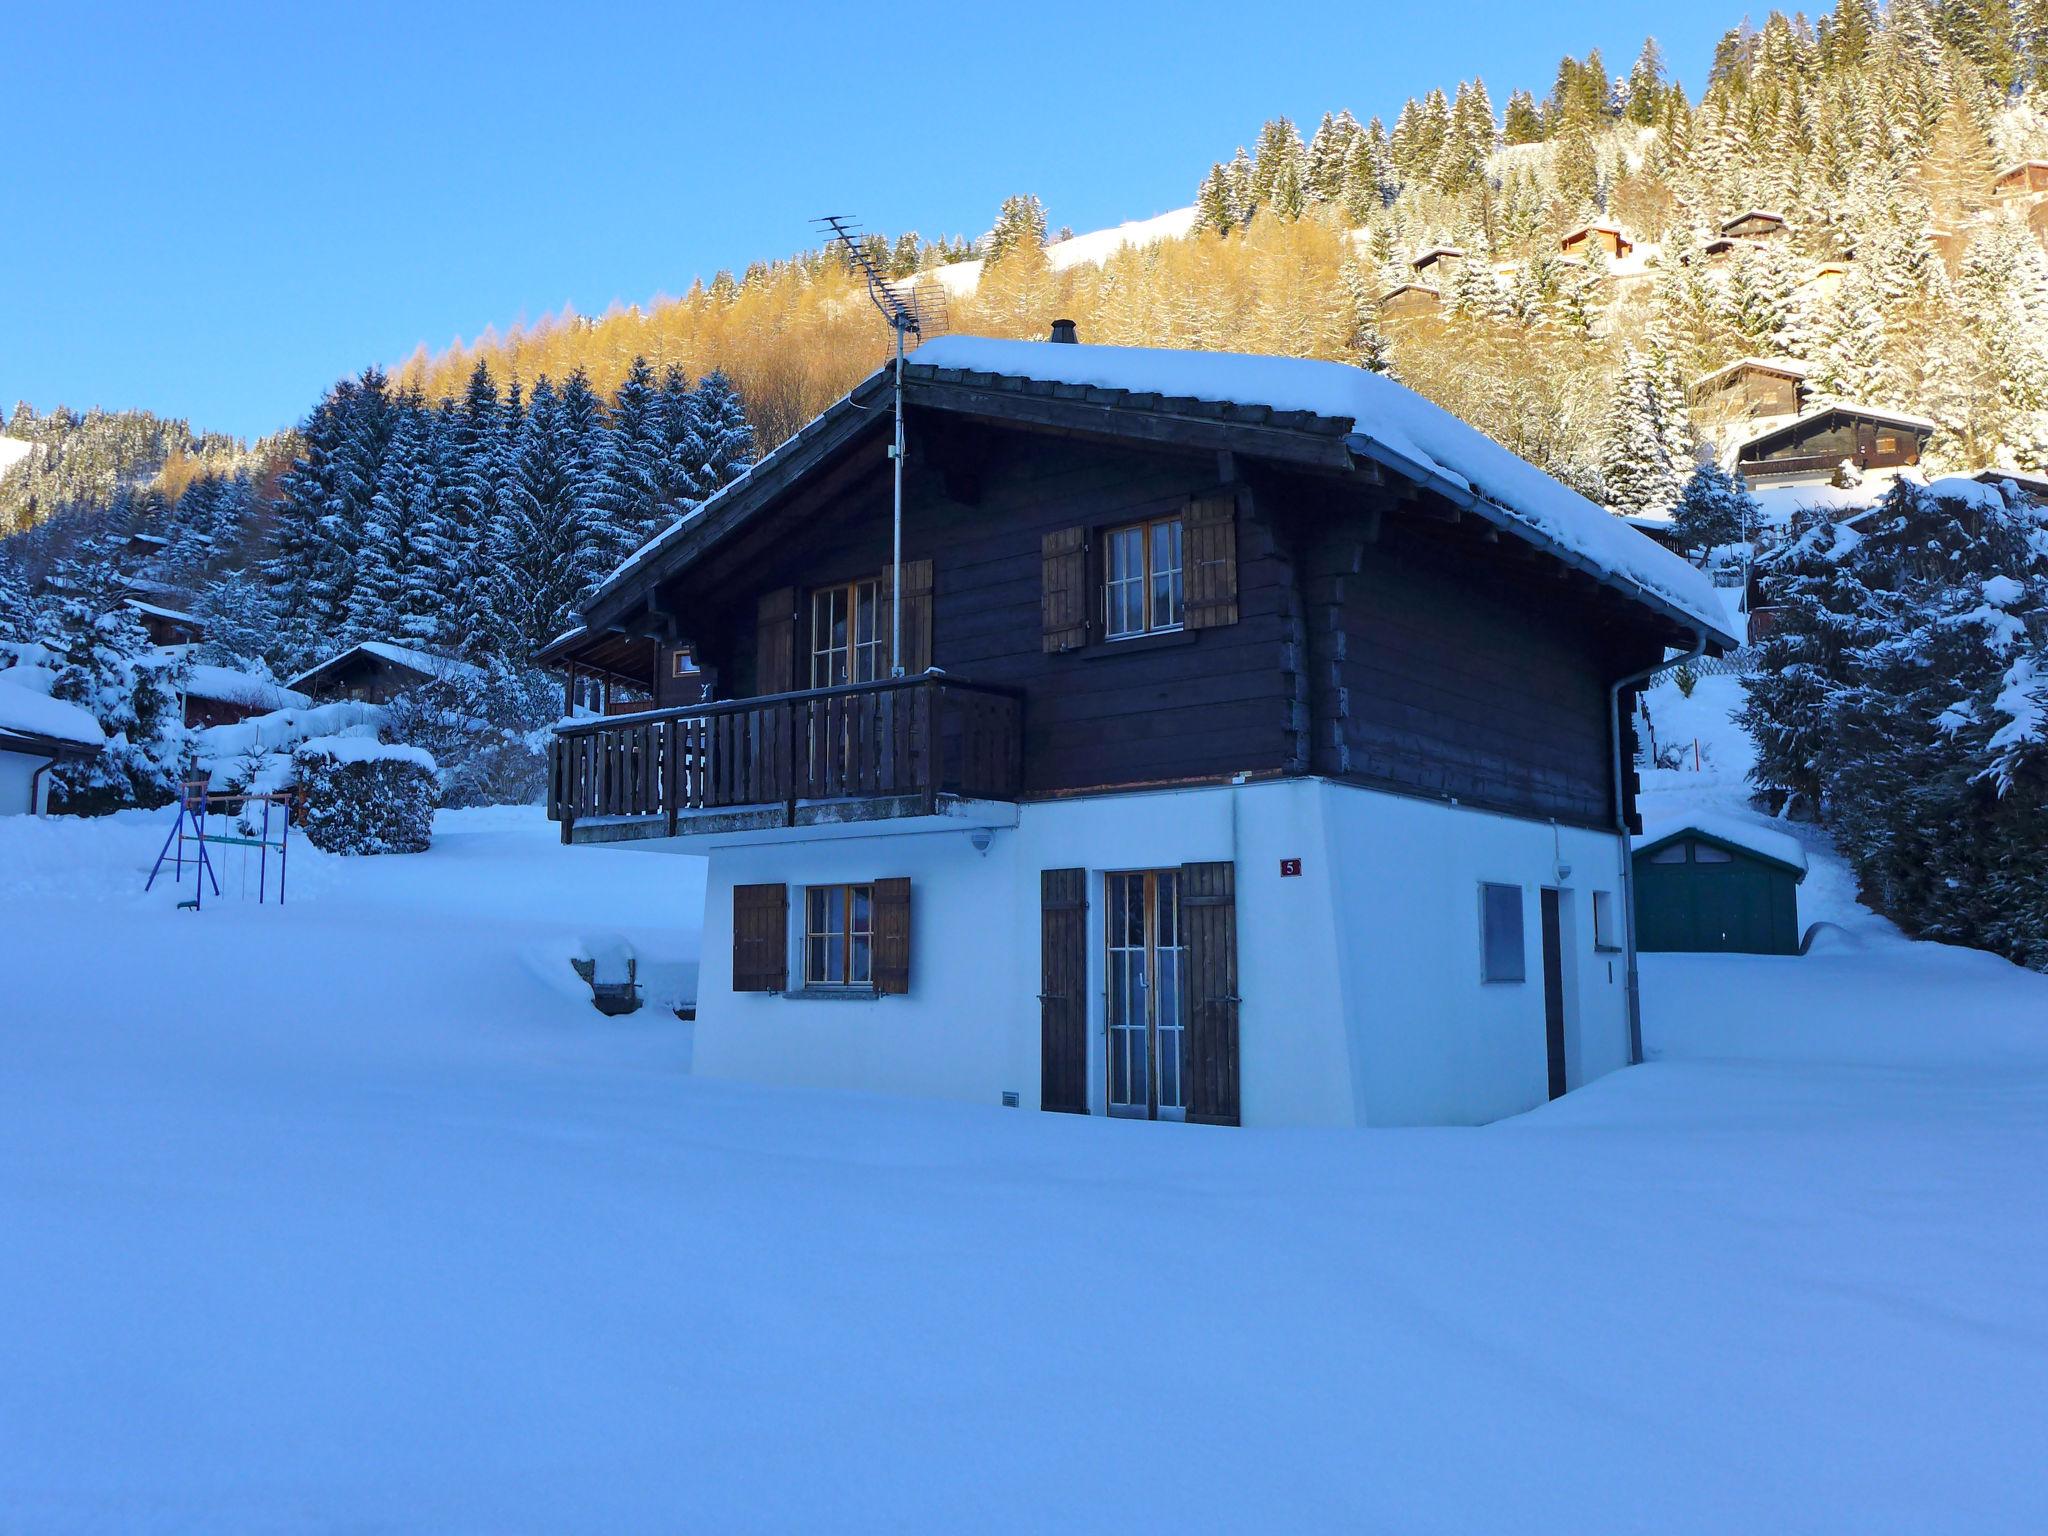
(1335, 624)
(2022, 180)
(1411, 301)
(361, 673)
(1755, 225)
(1815, 445)
(1748, 390)
(1581, 242)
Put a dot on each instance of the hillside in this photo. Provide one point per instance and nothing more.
(62, 458)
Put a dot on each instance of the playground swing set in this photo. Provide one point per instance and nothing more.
(195, 803)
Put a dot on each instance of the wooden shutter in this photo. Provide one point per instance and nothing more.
(892, 936)
(1210, 558)
(917, 614)
(760, 938)
(1208, 915)
(1065, 599)
(1063, 991)
(775, 642)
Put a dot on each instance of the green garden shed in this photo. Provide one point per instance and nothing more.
(1718, 883)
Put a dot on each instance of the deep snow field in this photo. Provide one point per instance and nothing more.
(356, 1216)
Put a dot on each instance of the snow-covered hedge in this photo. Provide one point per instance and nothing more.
(365, 796)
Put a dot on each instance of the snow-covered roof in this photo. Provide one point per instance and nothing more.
(155, 539)
(1434, 253)
(227, 686)
(154, 611)
(427, 663)
(1392, 425)
(1410, 288)
(1790, 367)
(1735, 831)
(2020, 165)
(1596, 229)
(1751, 213)
(27, 712)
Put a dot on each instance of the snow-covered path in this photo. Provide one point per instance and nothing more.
(356, 1217)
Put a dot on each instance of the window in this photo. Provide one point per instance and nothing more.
(839, 931)
(1606, 922)
(1707, 853)
(1670, 853)
(1500, 911)
(1143, 590)
(846, 637)
(681, 663)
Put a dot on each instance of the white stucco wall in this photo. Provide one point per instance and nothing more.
(1360, 978)
(17, 773)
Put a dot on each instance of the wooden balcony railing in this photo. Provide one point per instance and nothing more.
(911, 739)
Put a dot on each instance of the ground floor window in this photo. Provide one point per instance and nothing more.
(839, 930)
(1145, 967)
(1500, 924)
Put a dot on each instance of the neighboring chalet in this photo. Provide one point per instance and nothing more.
(1254, 755)
(2023, 180)
(1410, 300)
(1755, 224)
(222, 696)
(374, 671)
(1815, 445)
(167, 626)
(1750, 390)
(1581, 241)
(1435, 266)
(37, 732)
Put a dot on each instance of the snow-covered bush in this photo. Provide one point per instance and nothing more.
(487, 729)
(1898, 698)
(364, 796)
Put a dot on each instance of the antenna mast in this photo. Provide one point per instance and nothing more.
(903, 318)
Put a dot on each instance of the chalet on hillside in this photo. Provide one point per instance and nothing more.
(1754, 224)
(1816, 444)
(1434, 267)
(1582, 241)
(1749, 389)
(1253, 751)
(222, 696)
(167, 626)
(617, 674)
(1410, 300)
(375, 671)
(2029, 176)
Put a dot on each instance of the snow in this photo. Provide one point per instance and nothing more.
(1739, 832)
(155, 611)
(1391, 422)
(12, 451)
(367, 749)
(1971, 493)
(372, 1222)
(206, 681)
(960, 278)
(26, 709)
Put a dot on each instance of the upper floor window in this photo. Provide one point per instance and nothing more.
(1144, 589)
(846, 637)
(681, 662)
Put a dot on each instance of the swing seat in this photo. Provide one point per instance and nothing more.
(188, 906)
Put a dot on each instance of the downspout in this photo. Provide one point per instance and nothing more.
(35, 803)
(1621, 831)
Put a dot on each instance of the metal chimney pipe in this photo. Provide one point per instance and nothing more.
(1063, 330)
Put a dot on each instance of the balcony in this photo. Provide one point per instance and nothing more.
(830, 756)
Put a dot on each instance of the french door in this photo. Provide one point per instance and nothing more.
(1145, 975)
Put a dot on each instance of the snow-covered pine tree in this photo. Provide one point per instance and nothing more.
(1714, 510)
(546, 548)
(399, 593)
(722, 428)
(1635, 462)
(111, 670)
(630, 482)
(240, 625)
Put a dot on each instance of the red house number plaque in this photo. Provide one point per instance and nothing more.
(1290, 867)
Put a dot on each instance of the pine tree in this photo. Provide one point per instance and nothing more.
(1020, 223)
(112, 672)
(1645, 86)
(476, 459)
(728, 440)
(405, 554)
(239, 622)
(1213, 212)
(630, 482)
(1635, 461)
(545, 546)
(1523, 124)
(1715, 509)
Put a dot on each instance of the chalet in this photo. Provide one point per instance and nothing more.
(1754, 224)
(1582, 241)
(1813, 446)
(2022, 180)
(1750, 389)
(1716, 252)
(1409, 301)
(375, 671)
(1435, 266)
(222, 696)
(37, 732)
(1826, 279)
(1233, 739)
(167, 626)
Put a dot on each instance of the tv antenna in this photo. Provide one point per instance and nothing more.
(910, 309)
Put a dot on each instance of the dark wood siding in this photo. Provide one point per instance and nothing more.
(1435, 673)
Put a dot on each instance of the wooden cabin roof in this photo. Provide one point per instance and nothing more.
(1759, 215)
(1781, 367)
(1839, 408)
(1387, 431)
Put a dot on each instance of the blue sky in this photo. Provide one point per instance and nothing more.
(216, 214)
